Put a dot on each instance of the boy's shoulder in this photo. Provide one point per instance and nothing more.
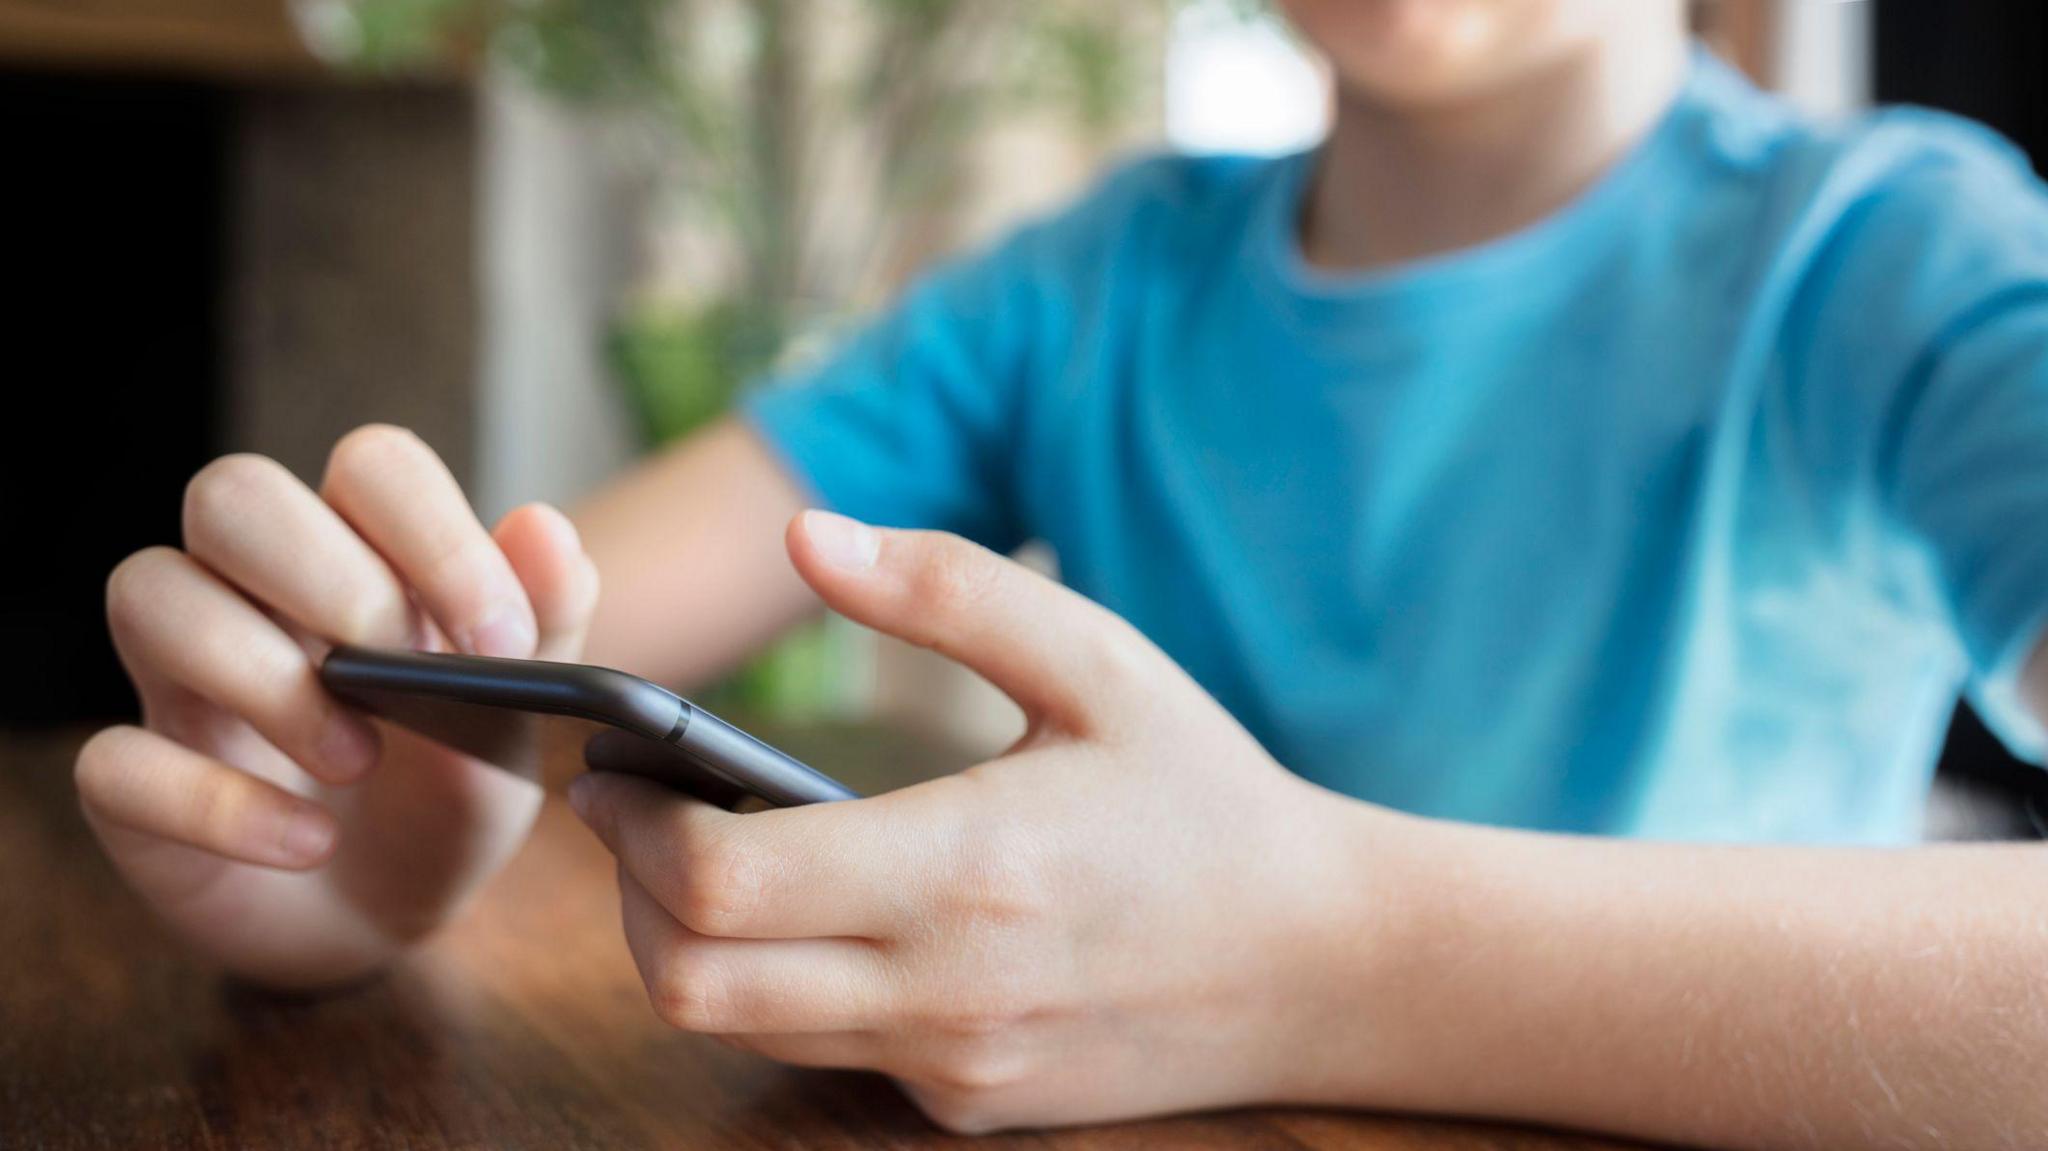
(1900, 186)
(1901, 154)
(1945, 198)
(1909, 150)
(1160, 201)
(1184, 182)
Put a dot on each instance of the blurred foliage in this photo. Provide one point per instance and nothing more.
(802, 677)
(933, 65)
(681, 367)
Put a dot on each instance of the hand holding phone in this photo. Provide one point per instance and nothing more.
(270, 825)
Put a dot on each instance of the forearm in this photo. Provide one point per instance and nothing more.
(689, 550)
(1728, 997)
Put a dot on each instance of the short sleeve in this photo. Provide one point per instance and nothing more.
(1971, 479)
(935, 415)
(1920, 347)
(912, 422)
(1965, 461)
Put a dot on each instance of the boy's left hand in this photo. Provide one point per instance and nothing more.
(1133, 911)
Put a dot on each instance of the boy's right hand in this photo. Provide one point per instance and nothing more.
(279, 831)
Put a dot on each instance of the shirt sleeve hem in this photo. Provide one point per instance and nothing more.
(758, 414)
(2000, 691)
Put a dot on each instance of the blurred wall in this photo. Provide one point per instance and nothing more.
(1824, 52)
(559, 233)
(351, 269)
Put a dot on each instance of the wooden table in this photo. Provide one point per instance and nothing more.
(523, 1025)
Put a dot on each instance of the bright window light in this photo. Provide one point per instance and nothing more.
(1237, 83)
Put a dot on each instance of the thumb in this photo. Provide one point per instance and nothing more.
(547, 555)
(1057, 654)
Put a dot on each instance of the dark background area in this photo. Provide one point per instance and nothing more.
(1982, 60)
(115, 198)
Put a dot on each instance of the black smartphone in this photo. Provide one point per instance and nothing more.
(470, 703)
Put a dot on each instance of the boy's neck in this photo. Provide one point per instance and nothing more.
(1399, 184)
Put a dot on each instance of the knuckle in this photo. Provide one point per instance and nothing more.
(369, 451)
(274, 681)
(721, 887)
(1002, 879)
(458, 568)
(133, 586)
(211, 814)
(102, 762)
(602, 812)
(374, 611)
(978, 1021)
(977, 1065)
(955, 1112)
(221, 490)
(1123, 654)
(952, 576)
(689, 995)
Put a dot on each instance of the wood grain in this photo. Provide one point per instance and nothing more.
(234, 38)
(523, 1025)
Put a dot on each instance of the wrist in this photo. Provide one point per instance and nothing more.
(1471, 971)
(1366, 884)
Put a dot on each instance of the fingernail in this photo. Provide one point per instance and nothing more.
(505, 632)
(579, 797)
(349, 748)
(848, 545)
(567, 527)
(307, 836)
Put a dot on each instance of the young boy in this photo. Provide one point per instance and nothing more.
(1576, 442)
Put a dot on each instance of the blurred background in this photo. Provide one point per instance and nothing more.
(551, 235)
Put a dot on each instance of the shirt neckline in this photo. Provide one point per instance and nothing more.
(1420, 284)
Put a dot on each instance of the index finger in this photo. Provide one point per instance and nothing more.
(853, 869)
(1058, 654)
(395, 492)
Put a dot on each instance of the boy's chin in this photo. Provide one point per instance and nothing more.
(1410, 85)
(1418, 51)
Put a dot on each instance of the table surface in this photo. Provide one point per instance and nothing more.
(522, 1025)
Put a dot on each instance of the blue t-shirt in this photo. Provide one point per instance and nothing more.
(1685, 513)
